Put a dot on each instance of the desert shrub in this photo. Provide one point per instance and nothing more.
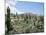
(24, 19)
(27, 31)
(27, 22)
(31, 24)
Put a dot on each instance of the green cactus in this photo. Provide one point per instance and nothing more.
(8, 20)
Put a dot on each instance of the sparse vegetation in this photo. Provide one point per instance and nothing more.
(24, 23)
(27, 25)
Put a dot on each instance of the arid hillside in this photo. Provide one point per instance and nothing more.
(26, 23)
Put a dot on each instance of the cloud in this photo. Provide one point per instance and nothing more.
(12, 4)
(32, 0)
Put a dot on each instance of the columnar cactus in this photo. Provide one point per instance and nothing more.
(8, 19)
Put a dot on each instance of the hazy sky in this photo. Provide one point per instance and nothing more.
(34, 7)
(26, 6)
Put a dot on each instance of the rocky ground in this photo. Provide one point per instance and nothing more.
(27, 24)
